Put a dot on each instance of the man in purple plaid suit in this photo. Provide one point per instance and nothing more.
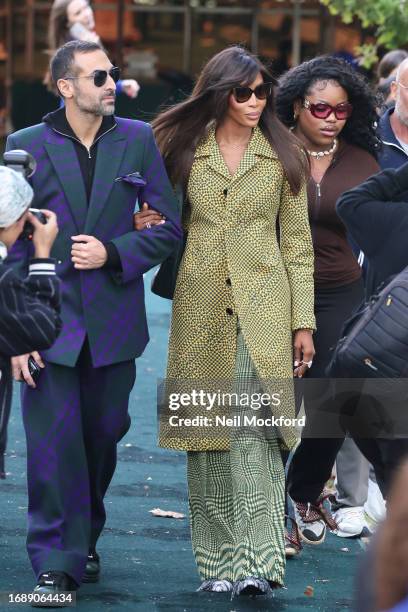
(92, 169)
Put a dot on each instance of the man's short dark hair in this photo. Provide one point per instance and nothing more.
(62, 63)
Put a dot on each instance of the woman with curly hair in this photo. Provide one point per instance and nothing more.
(332, 110)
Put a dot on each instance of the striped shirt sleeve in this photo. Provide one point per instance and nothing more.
(29, 309)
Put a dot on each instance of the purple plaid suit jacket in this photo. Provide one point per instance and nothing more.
(103, 304)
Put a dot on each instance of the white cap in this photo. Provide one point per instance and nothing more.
(15, 196)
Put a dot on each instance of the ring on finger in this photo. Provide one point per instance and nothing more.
(148, 225)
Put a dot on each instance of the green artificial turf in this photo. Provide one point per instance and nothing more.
(147, 563)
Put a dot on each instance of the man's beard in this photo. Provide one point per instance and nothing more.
(98, 109)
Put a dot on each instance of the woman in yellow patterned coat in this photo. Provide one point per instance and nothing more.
(241, 303)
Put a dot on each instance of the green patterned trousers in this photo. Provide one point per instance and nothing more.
(236, 500)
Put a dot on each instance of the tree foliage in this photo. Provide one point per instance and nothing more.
(389, 18)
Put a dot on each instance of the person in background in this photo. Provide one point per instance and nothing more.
(29, 309)
(381, 582)
(376, 215)
(331, 109)
(74, 20)
(386, 71)
(387, 66)
(242, 309)
(393, 125)
(390, 580)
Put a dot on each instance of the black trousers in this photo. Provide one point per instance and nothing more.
(313, 460)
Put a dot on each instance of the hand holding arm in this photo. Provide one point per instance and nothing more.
(147, 217)
(139, 251)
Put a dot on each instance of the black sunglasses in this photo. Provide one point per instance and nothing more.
(100, 76)
(243, 94)
(322, 110)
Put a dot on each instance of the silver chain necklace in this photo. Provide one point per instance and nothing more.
(320, 154)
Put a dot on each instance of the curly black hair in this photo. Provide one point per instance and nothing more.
(360, 128)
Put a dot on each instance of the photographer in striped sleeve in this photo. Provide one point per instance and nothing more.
(29, 308)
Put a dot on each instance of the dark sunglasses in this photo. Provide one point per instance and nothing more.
(243, 94)
(322, 110)
(101, 76)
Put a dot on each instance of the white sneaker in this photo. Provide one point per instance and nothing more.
(375, 506)
(351, 522)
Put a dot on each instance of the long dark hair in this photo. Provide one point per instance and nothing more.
(179, 129)
(58, 28)
(294, 85)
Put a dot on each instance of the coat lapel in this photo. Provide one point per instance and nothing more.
(209, 148)
(110, 152)
(65, 162)
(258, 146)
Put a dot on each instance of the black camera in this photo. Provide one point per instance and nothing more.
(28, 229)
(25, 164)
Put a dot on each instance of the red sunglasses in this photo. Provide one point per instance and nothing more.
(322, 110)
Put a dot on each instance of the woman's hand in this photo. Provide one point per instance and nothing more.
(147, 217)
(303, 352)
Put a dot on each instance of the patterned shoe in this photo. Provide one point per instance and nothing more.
(252, 586)
(216, 586)
(312, 520)
(293, 544)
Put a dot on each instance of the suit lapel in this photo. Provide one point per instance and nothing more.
(110, 152)
(64, 159)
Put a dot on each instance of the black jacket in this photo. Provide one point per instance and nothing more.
(376, 215)
(29, 309)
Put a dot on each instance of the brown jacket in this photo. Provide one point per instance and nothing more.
(335, 262)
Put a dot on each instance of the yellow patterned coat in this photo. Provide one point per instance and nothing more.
(233, 268)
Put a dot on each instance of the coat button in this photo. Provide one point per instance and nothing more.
(229, 311)
(59, 261)
(225, 192)
(228, 282)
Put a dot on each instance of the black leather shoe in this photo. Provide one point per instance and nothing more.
(51, 583)
(92, 568)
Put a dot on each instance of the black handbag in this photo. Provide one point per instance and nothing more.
(374, 341)
(164, 280)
